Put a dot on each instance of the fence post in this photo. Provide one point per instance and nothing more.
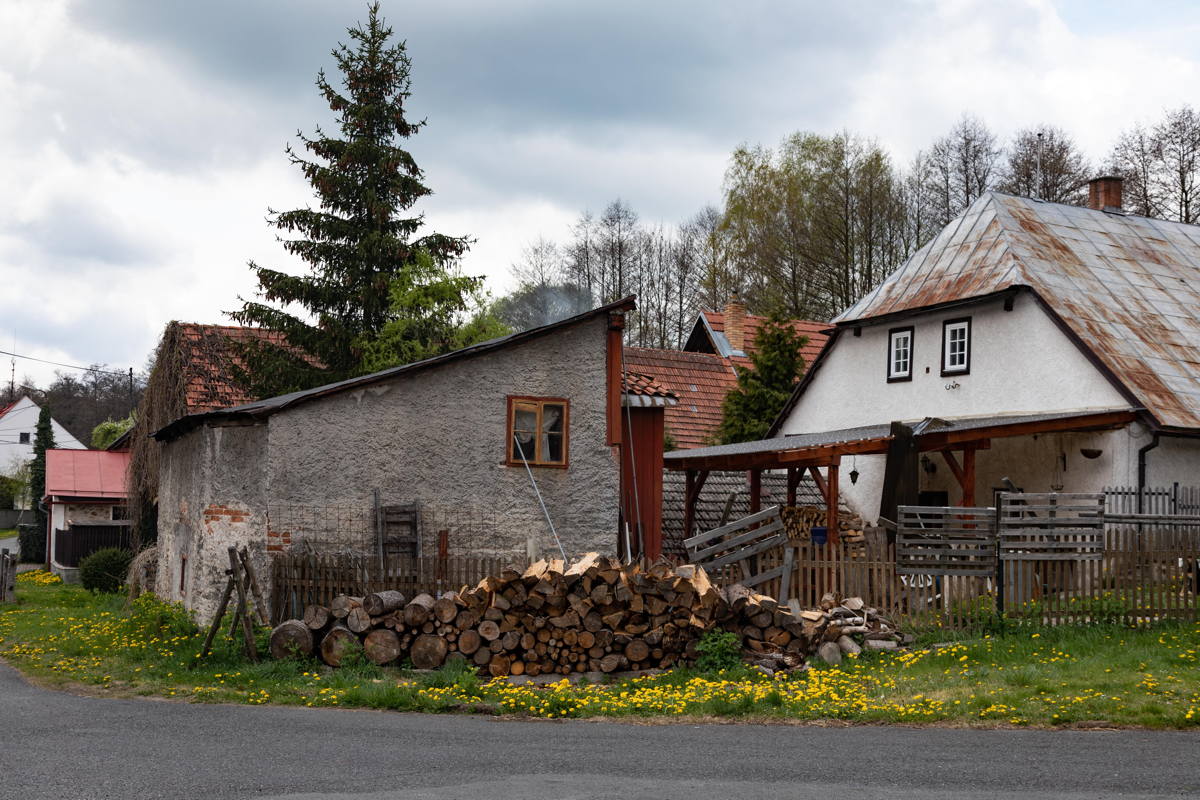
(8, 577)
(999, 561)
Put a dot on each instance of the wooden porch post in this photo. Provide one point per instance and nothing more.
(694, 484)
(968, 483)
(793, 480)
(831, 500)
(755, 491)
(689, 508)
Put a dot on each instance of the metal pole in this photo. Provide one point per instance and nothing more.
(538, 492)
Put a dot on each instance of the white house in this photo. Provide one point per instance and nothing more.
(18, 429)
(1033, 344)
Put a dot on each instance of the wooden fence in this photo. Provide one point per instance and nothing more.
(78, 542)
(1149, 568)
(300, 579)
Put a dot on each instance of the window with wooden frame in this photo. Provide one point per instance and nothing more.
(537, 431)
(956, 346)
(900, 354)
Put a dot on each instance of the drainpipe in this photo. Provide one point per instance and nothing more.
(1142, 470)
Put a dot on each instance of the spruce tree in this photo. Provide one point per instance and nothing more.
(360, 245)
(760, 394)
(43, 440)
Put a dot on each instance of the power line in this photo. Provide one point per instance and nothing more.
(60, 364)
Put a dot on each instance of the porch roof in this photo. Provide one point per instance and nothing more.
(931, 433)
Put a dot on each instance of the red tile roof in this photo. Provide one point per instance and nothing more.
(811, 329)
(699, 380)
(643, 385)
(209, 358)
(93, 474)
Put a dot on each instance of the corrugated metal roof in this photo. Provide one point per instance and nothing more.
(96, 474)
(928, 425)
(1128, 287)
(272, 405)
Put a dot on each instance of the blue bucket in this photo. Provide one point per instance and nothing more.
(820, 535)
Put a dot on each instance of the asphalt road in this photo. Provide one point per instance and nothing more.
(56, 745)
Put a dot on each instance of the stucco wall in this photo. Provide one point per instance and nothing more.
(212, 494)
(438, 437)
(84, 513)
(1021, 363)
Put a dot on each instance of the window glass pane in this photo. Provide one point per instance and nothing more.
(552, 418)
(901, 343)
(552, 449)
(525, 418)
(522, 447)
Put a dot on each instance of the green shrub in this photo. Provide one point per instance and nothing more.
(105, 570)
(32, 541)
(719, 650)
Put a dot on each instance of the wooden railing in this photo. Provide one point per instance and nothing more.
(300, 579)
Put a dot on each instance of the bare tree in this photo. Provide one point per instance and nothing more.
(1134, 157)
(963, 166)
(541, 264)
(1044, 163)
(1161, 166)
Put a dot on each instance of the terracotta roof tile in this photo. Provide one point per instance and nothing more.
(699, 380)
(810, 328)
(644, 385)
(209, 358)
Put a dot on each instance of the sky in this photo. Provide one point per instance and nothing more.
(142, 143)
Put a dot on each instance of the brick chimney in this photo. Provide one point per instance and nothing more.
(1104, 193)
(735, 322)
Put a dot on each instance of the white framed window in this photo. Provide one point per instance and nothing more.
(956, 346)
(900, 354)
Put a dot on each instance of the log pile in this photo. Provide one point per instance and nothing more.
(843, 626)
(595, 615)
(799, 521)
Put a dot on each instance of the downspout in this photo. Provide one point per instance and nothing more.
(1141, 478)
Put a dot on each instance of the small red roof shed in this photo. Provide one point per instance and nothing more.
(87, 474)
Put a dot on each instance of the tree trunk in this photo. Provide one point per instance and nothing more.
(291, 638)
(339, 643)
(381, 646)
(428, 651)
(381, 603)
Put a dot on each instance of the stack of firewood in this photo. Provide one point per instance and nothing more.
(593, 616)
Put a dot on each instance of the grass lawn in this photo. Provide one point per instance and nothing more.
(66, 637)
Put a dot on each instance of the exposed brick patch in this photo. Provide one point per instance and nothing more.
(278, 541)
(222, 513)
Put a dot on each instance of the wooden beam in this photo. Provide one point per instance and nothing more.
(831, 501)
(821, 487)
(776, 459)
(955, 468)
(945, 440)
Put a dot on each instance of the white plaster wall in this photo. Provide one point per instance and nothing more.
(1175, 460)
(1021, 363)
(23, 419)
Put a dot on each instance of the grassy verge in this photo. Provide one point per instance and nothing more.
(1046, 677)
